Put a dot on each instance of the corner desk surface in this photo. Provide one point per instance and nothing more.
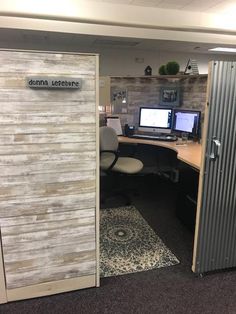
(189, 153)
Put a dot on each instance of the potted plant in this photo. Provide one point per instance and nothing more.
(172, 67)
(162, 69)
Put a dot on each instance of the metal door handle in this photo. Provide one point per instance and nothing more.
(215, 149)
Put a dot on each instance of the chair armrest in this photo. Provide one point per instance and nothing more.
(116, 154)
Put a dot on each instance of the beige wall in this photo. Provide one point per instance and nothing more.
(118, 62)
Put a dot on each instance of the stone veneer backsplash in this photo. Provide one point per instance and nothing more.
(145, 91)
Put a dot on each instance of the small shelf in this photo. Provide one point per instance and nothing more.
(163, 77)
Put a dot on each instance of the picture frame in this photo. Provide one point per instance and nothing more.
(170, 96)
(119, 101)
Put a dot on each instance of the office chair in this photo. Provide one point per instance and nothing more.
(112, 164)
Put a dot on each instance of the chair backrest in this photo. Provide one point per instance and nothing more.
(108, 139)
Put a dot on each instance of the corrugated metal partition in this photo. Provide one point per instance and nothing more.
(215, 237)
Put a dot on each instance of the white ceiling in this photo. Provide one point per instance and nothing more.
(29, 39)
(208, 6)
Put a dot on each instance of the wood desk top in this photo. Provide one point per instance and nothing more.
(189, 153)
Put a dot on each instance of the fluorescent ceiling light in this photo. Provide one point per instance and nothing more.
(223, 49)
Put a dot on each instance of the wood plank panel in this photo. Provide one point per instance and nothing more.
(33, 95)
(25, 245)
(22, 159)
(12, 172)
(27, 62)
(75, 106)
(47, 128)
(48, 157)
(36, 221)
(62, 176)
(46, 118)
(46, 189)
(43, 205)
(32, 258)
(47, 138)
(70, 237)
(9, 80)
(45, 148)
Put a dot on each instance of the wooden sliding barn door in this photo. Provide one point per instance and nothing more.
(215, 236)
(49, 174)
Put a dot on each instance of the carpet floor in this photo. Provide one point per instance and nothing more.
(166, 290)
(128, 244)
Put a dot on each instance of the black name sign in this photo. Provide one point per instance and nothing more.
(53, 82)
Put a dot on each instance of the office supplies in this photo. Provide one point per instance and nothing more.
(129, 130)
(181, 144)
(161, 137)
(114, 122)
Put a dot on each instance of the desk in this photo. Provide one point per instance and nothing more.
(189, 153)
(189, 167)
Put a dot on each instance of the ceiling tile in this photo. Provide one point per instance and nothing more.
(223, 7)
(199, 5)
(209, 6)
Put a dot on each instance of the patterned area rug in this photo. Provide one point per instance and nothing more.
(129, 245)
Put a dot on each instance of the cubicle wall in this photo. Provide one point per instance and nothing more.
(49, 175)
(215, 237)
(145, 91)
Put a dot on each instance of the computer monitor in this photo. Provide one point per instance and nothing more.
(153, 119)
(185, 120)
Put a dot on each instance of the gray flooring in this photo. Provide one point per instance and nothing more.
(172, 289)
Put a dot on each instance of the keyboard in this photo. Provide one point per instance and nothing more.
(167, 138)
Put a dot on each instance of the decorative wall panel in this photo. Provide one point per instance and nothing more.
(145, 91)
(48, 169)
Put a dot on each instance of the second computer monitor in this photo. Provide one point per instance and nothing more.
(188, 121)
(153, 119)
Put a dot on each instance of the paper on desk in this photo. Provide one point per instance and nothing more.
(115, 124)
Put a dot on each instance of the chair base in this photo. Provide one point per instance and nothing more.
(110, 189)
(116, 194)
